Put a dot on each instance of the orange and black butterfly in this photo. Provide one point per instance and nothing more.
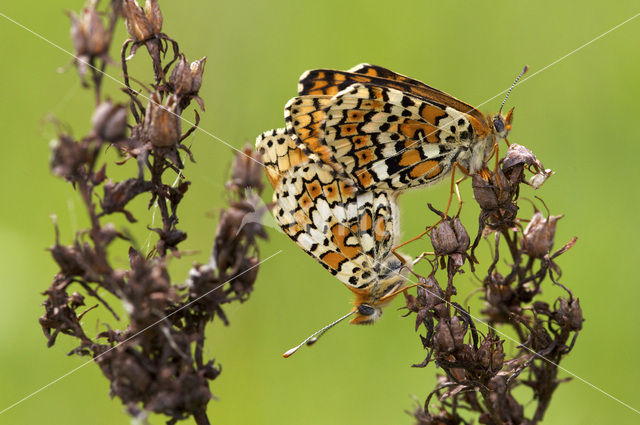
(385, 130)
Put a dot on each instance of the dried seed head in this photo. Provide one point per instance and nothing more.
(538, 237)
(88, 33)
(247, 171)
(162, 122)
(490, 354)
(518, 157)
(450, 237)
(68, 158)
(109, 121)
(197, 69)
(443, 340)
(491, 191)
(185, 78)
(152, 10)
(180, 77)
(569, 314)
(458, 331)
(76, 300)
(138, 25)
(518, 154)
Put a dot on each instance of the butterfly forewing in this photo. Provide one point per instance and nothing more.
(386, 139)
(330, 82)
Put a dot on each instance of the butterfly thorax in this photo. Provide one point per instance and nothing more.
(483, 147)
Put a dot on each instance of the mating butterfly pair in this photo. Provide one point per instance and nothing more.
(353, 141)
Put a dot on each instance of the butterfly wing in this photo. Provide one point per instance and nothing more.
(385, 139)
(330, 82)
(304, 117)
(348, 233)
(279, 154)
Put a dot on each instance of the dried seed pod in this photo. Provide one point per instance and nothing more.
(76, 300)
(68, 157)
(197, 69)
(491, 191)
(138, 25)
(458, 331)
(569, 314)
(162, 122)
(247, 171)
(88, 33)
(518, 154)
(450, 238)
(538, 237)
(181, 78)
(154, 15)
(443, 339)
(538, 179)
(109, 121)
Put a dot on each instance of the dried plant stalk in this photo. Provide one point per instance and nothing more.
(155, 363)
(479, 375)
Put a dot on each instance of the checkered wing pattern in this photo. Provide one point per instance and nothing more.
(383, 130)
(351, 234)
(279, 154)
(330, 82)
(386, 139)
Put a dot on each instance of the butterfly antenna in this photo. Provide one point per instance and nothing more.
(313, 338)
(526, 68)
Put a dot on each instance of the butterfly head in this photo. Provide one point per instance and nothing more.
(369, 301)
(501, 124)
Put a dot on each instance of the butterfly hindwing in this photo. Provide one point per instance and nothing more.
(349, 233)
(279, 153)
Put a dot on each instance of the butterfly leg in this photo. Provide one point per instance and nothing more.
(455, 188)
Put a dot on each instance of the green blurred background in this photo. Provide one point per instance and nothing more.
(579, 116)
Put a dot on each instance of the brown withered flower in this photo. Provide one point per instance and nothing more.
(186, 78)
(538, 236)
(246, 172)
(109, 121)
(143, 24)
(162, 122)
(69, 158)
(90, 39)
(451, 238)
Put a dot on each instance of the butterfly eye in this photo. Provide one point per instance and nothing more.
(498, 124)
(366, 310)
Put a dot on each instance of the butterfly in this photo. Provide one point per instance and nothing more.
(383, 130)
(349, 232)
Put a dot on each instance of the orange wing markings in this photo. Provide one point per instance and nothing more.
(333, 259)
(410, 157)
(427, 169)
(365, 156)
(419, 132)
(340, 233)
(365, 222)
(361, 141)
(431, 113)
(380, 232)
(365, 178)
(480, 126)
